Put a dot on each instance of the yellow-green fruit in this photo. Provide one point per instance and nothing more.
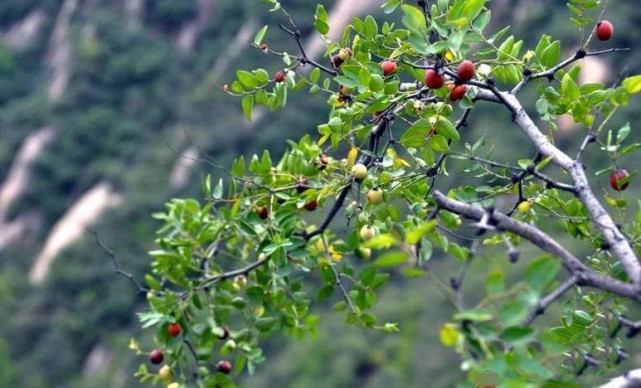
(173, 385)
(367, 232)
(165, 372)
(359, 171)
(375, 196)
(363, 253)
(344, 53)
(240, 281)
(525, 206)
(230, 345)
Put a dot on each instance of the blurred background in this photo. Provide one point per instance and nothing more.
(100, 102)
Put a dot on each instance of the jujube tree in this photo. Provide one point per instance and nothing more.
(247, 261)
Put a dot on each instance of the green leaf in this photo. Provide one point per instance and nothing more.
(438, 143)
(218, 190)
(415, 235)
(630, 149)
(476, 315)
(246, 79)
(325, 292)
(513, 312)
(495, 282)
(482, 21)
(569, 89)
(632, 84)
(446, 128)
(313, 76)
(320, 20)
(413, 272)
(465, 9)
(258, 39)
(518, 335)
(541, 271)
(247, 104)
(550, 56)
(391, 259)
(370, 27)
(376, 83)
(414, 19)
(265, 324)
(380, 241)
(623, 132)
(391, 5)
(416, 135)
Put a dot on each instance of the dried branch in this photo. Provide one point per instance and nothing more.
(304, 59)
(117, 269)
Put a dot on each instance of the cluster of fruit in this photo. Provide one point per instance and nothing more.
(157, 356)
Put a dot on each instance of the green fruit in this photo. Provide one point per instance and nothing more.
(367, 232)
(359, 171)
(525, 206)
(363, 253)
(230, 345)
(240, 281)
(165, 372)
(375, 196)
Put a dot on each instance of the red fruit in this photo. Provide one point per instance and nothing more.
(465, 71)
(173, 329)
(262, 212)
(457, 92)
(337, 61)
(156, 356)
(324, 161)
(224, 367)
(311, 205)
(619, 180)
(264, 47)
(279, 76)
(388, 67)
(604, 30)
(302, 185)
(433, 79)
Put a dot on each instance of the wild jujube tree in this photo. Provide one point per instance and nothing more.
(247, 260)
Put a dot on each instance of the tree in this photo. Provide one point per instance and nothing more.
(242, 264)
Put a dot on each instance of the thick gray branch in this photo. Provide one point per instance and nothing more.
(631, 379)
(600, 217)
(502, 222)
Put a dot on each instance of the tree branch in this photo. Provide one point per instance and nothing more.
(227, 275)
(578, 55)
(117, 269)
(630, 379)
(600, 217)
(546, 243)
(304, 59)
(332, 213)
(550, 298)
